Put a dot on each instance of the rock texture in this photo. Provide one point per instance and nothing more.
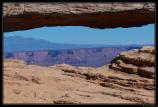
(22, 16)
(138, 61)
(65, 84)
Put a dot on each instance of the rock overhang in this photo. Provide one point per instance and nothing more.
(23, 16)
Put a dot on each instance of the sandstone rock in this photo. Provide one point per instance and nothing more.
(94, 76)
(137, 61)
(61, 101)
(129, 68)
(95, 15)
(36, 80)
(138, 58)
(115, 67)
(148, 72)
(16, 91)
(94, 85)
(148, 49)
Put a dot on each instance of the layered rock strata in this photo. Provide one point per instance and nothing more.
(65, 84)
(137, 61)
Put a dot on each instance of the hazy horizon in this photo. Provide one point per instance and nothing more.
(18, 36)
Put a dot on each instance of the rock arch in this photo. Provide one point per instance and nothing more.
(22, 16)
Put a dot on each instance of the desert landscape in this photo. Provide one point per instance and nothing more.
(119, 82)
(46, 60)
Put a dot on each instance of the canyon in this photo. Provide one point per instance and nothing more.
(66, 84)
(92, 57)
(128, 79)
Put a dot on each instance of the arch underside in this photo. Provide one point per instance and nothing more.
(20, 16)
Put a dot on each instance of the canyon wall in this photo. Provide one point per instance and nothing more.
(130, 78)
(93, 57)
(22, 16)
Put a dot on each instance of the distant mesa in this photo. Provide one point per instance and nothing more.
(45, 53)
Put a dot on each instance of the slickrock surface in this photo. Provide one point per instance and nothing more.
(68, 84)
(138, 61)
(22, 16)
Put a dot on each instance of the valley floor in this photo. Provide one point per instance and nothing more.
(67, 84)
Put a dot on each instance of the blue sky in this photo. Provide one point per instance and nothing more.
(86, 35)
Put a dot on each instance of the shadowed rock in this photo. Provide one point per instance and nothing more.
(129, 68)
(146, 72)
(95, 15)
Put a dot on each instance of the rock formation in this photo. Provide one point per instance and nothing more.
(138, 61)
(21, 16)
(68, 84)
(65, 84)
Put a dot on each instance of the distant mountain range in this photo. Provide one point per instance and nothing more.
(19, 43)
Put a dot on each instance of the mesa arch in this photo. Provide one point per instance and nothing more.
(23, 16)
